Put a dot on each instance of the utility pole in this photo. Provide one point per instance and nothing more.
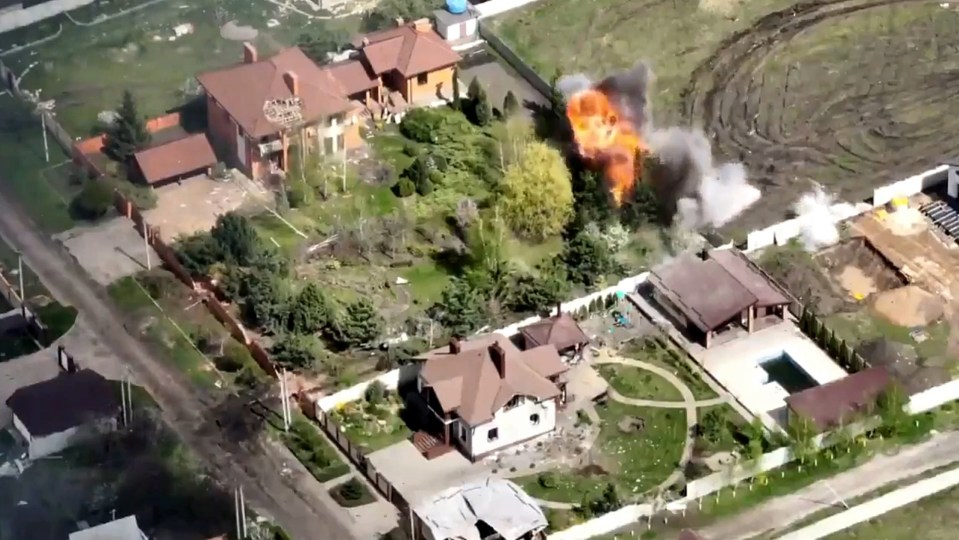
(236, 512)
(23, 294)
(123, 403)
(284, 403)
(344, 165)
(242, 514)
(146, 243)
(44, 107)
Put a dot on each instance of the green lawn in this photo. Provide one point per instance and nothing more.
(636, 460)
(87, 68)
(427, 281)
(937, 517)
(373, 426)
(639, 383)
(607, 35)
(24, 172)
(658, 352)
(57, 317)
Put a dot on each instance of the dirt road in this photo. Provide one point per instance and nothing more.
(295, 501)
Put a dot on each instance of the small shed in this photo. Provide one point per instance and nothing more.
(561, 331)
(175, 160)
(54, 414)
(456, 25)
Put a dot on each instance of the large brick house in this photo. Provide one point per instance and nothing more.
(249, 104)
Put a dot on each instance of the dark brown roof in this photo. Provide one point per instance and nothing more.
(839, 401)
(744, 271)
(561, 331)
(706, 294)
(409, 50)
(175, 158)
(66, 401)
(469, 383)
(243, 90)
(352, 76)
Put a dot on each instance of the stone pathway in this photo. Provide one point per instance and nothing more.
(689, 403)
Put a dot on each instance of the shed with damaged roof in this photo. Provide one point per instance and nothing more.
(561, 330)
(485, 394)
(491, 508)
(707, 295)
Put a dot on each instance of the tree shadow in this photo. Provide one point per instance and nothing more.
(547, 125)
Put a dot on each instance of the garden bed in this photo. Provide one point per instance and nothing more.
(352, 493)
(373, 424)
(313, 450)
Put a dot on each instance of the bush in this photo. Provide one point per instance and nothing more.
(404, 188)
(352, 490)
(424, 187)
(375, 393)
(546, 480)
(351, 493)
(93, 201)
(235, 357)
(142, 197)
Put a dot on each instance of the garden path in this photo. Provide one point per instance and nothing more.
(689, 403)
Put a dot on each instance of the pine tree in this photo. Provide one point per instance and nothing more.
(482, 110)
(128, 132)
(557, 100)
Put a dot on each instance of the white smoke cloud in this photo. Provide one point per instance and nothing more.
(819, 215)
(571, 84)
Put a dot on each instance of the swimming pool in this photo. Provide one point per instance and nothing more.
(785, 371)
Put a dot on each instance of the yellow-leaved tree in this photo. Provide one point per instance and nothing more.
(536, 198)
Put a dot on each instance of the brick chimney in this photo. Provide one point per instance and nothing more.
(292, 82)
(249, 53)
(399, 21)
(455, 346)
(423, 25)
(498, 356)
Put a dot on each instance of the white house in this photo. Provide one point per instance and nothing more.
(485, 394)
(54, 414)
(120, 529)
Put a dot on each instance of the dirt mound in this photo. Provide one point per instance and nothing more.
(906, 222)
(909, 306)
(854, 280)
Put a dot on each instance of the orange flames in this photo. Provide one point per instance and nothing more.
(604, 136)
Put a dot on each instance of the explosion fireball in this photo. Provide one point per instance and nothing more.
(603, 135)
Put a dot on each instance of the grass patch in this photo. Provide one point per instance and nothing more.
(636, 458)
(57, 318)
(275, 232)
(658, 352)
(936, 516)
(313, 450)
(864, 325)
(87, 68)
(160, 332)
(352, 493)
(21, 153)
(371, 425)
(638, 383)
(427, 281)
(611, 34)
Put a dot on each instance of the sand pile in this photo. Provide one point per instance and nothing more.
(856, 282)
(906, 222)
(909, 306)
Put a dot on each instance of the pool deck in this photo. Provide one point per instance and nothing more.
(735, 364)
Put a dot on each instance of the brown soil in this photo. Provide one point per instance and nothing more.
(780, 97)
(854, 280)
(909, 306)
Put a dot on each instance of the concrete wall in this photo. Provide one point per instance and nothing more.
(933, 397)
(910, 186)
(495, 7)
(513, 426)
(18, 18)
(52, 444)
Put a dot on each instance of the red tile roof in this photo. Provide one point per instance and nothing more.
(175, 158)
(244, 89)
(410, 49)
(352, 76)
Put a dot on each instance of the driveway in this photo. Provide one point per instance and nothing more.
(497, 79)
(110, 250)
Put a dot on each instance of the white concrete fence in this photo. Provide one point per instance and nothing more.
(20, 17)
(496, 7)
(781, 233)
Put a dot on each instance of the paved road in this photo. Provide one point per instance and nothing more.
(779, 513)
(296, 501)
(876, 507)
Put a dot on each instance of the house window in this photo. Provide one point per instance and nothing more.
(492, 435)
(328, 145)
(514, 401)
(340, 142)
(422, 79)
(534, 419)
